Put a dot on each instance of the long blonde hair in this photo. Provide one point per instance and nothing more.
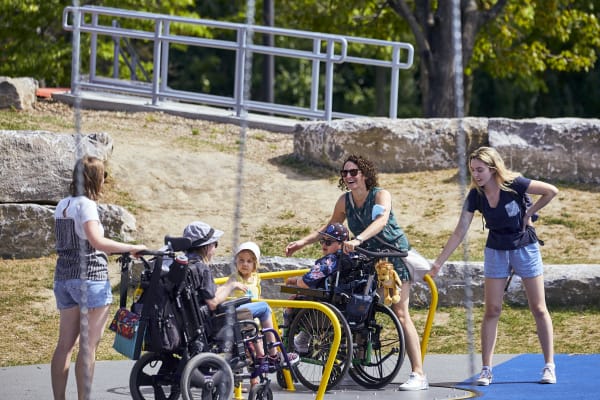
(490, 157)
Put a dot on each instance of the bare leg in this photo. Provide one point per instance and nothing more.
(493, 295)
(534, 288)
(68, 332)
(413, 344)
(86, 358)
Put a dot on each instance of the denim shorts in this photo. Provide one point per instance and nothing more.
(525, 261)
(259, 309)
(69, 293)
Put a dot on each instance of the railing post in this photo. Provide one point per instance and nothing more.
(164, 60)
(156, 73)
(240, 64)
(395, 71)
(75, 64)
(93, 49)
(116, 51)
(314, 85)
(329, 80)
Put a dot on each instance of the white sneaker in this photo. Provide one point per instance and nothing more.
(485, 377)
(415, 382)
(301, 342)
(548, 375)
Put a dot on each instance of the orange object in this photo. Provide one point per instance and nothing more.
(47, 92)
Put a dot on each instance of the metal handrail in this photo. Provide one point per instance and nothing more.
(297, 304)
(337, 330)
(327, 49)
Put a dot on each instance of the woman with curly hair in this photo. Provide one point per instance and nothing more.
(368, 209)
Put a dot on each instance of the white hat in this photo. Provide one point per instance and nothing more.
(201, 234)
(253, 247)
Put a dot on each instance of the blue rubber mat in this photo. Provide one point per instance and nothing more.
(577, 376)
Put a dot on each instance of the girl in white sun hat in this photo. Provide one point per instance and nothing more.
(247, 258)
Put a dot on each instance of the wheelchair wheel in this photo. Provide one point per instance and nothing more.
(313, 358)
(379, 350)
(207, 376)
(153, 376)
(261, 392)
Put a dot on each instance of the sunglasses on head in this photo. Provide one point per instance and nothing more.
(352, 172)
(327, 242)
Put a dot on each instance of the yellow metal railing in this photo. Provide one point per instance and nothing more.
(430, 315)
(337, 331)
(336, 325)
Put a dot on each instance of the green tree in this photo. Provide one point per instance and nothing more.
(34, 43)
(515, 39)
(518, 42)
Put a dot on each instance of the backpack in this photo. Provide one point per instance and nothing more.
(160, 311)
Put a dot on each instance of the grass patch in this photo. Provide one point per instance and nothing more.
(576, 330)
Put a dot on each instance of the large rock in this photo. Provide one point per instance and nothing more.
(401, 145)
(548, 149)
(566, 285)
(564, 149)
(37, 166)
(27, 230)
(17, 93)
(571, 285)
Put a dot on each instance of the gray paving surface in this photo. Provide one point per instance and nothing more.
(112, 377)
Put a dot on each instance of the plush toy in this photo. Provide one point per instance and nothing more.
(388, 282)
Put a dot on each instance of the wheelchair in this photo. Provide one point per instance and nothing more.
(190, 351)
(372, 347)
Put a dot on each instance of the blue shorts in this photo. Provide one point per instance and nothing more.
(69, 293)
(525, 261)
(259, 309)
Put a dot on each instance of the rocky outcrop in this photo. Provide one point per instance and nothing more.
(551, 149)
(37, 165)
(18, 93)
(27, 230)
(35, 174)
(566, 285)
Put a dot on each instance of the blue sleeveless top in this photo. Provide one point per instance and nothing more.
(360, 217)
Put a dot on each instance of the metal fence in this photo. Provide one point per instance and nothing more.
(327, 49)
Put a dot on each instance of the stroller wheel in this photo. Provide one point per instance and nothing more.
(153, 376)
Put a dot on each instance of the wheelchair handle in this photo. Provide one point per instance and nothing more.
(381, 254)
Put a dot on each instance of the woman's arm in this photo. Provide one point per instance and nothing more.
(99, 242)
(454, 240)
(546, 192)
(339, 215)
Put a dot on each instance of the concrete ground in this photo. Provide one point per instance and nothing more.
(515, 376)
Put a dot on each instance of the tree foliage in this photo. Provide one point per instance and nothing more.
(542, 49)
(34, 43)
(515, 40)
(533, 37)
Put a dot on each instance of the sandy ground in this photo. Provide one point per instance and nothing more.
(170, 170)
(178, 170)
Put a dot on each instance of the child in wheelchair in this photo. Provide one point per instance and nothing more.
(331, 240)
(182, 303)
(246, 259)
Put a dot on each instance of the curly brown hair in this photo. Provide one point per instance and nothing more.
(366, 167)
